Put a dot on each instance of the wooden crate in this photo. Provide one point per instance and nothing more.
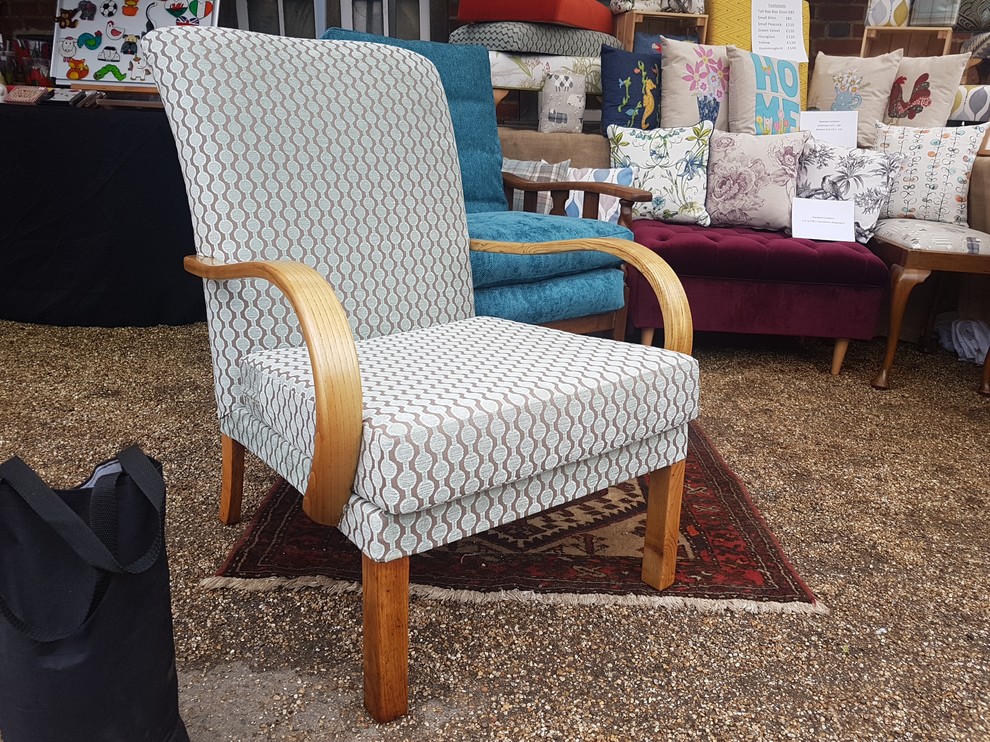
(681, 24)
(916, 41)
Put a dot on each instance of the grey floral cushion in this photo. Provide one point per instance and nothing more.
(863, 176)
(534, 38)
(457, 409)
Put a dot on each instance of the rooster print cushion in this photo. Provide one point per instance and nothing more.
(924, 89)
(932, 182)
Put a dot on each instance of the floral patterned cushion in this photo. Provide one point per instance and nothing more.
(660, 6)
(695, 79)
(765, 95)
(854, 84)
(670, 163)
(863, 176)
(608, 206)
(753, 179)
(933, 181)
(923, 90)
(630, 89)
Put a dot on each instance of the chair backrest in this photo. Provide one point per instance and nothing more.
(465, 72)
(339, 155)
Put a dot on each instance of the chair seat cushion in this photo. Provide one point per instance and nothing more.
(587, 14)
(553, 299)
(500, 269)
(742, 253)
(456, 409)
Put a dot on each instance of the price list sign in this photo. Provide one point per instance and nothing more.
(778, 30)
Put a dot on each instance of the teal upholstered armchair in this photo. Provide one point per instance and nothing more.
(582, 292)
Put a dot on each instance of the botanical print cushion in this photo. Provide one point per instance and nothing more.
(765, 94)
(608, 206)
(672, 164)
(888, 12)
(562, 103)
(660, 6)
(752, 179)
(695, 79)
(542, 172)
(923, 90)
(933, 181)
(630, 89)
(863, 176)
(854, 84)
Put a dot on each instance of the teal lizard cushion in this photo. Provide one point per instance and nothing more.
(463, 69)
(500, 269)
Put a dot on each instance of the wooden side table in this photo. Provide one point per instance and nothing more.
(626, 23)
(910, 266)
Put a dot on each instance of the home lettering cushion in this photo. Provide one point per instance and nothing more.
(630, 89)
(672, 164)
(932, 182)
(863, 176)
(860, 84)
(540, 171)
(534, 38)
(765, 94)
(587, 14)
(695, 78)
(562, 103)
(753, 179)
(608, 206)
(923, 90)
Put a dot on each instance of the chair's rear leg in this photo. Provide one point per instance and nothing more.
(232, 486)
(386, 638)
(663, 515)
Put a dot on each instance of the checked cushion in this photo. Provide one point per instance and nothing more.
(457, 409)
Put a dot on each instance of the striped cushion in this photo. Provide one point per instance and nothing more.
(534, 38)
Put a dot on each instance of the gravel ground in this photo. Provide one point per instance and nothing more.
(879, 499)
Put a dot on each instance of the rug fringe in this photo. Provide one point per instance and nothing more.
(703, 605)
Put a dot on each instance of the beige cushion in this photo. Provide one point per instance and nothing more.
(924, 89)
(752, 179)
(933, 181)
(854, 84)
(703, 94)
(765, 94)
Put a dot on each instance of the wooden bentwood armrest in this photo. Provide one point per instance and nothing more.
(336, 374)
(678, 329)
(560, 190)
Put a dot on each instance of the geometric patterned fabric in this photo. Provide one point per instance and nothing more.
(972, 104)
(456, 409)
(534, 38)
(277, 176)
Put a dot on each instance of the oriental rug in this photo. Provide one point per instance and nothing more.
(587, 551)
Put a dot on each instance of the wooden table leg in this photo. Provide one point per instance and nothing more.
(902, 282)
(985, 386)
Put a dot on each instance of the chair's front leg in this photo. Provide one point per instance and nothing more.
(663, 516)
(232, 480)
(386, 638)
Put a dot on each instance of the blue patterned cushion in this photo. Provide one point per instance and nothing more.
(630, 89)
(472, 111)
(498, 269)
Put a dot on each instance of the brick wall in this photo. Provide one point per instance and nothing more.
(26, 16)
(836, 26)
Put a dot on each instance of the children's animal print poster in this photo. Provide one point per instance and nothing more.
(98, 42)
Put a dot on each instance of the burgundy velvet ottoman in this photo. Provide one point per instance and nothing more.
(749, 281)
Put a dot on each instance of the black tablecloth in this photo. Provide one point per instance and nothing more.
(95, 221)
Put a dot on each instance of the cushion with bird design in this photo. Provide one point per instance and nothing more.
(860, 84)
(924, 89)
(630, 89)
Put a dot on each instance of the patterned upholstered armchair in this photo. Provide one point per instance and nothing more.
(331, 231)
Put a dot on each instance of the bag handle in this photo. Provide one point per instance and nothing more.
(43, 500)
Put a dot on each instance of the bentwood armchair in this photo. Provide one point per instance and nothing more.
(331, 231)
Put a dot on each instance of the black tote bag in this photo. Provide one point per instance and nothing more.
(86, 646)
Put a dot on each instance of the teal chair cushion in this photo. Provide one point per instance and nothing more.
(499, 269)
(465, 74)
(591, 292)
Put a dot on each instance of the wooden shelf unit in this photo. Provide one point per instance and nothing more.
(626, 25)
(916, 41)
